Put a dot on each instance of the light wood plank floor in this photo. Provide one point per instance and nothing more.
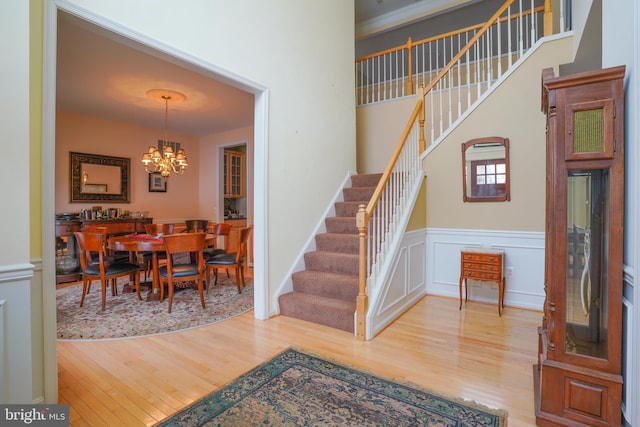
(473, 354)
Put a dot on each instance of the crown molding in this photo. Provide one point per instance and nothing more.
(407, 15)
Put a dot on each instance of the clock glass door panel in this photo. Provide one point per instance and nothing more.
(587, 263)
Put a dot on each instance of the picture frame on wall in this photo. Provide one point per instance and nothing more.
(157, 184)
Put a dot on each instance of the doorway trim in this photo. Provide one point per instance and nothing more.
(260, 186)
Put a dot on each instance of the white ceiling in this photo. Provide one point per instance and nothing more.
(104, 74)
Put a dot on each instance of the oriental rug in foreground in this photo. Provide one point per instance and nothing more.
(300, 389)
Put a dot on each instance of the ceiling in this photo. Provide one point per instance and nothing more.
(104, 74)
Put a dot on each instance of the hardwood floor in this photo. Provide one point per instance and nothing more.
(473, 354)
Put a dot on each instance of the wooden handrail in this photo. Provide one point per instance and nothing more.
(466, 47)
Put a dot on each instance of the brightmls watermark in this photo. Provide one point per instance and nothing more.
(34, 415)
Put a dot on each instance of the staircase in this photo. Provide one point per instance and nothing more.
(325, 291)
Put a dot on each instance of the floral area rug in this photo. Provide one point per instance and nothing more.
(300, 389)
(127, 317)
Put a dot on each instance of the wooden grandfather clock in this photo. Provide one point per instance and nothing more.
(578, 378)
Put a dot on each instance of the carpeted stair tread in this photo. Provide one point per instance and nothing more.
(349, 208)
(338, 242)
(332, 262)
(358, 194)
(341, 224)
(365, 180)
(330, 285)
(325, 291)
(330, 312)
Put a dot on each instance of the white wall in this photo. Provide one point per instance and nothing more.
(623, 17)
(16, 270)
(310, 120)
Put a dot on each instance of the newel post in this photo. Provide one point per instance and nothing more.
(548, 18)
(362, 300)
(410, 66)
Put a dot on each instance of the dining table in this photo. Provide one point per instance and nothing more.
(134, 243)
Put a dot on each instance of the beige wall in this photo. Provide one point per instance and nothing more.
(418, 218)
(512, 111)
(94, 135)
(192, 195)
(380, 127)
(211, 192)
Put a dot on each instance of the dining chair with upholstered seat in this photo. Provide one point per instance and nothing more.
(220, 229)
(231, 260)
(92, 246)
(157, 230)
(94, 256)
(173, 272)
(110, 256)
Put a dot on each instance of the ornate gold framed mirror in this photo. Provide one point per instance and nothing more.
(98, 178)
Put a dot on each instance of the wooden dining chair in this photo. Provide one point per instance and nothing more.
(231, 260)
(92, 246)
(155, 229)
(220, 229)
(195, 225)
(173, 272)
(110, 256)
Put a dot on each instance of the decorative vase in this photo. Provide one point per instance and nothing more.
(66, 264)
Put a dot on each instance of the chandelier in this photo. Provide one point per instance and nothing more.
(167, 161)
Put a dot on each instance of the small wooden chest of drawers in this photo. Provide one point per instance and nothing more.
(482, 264)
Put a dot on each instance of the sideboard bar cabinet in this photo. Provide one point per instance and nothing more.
(578, 378)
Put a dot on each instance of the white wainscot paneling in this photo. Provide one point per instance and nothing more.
(16, 347)
(524, 265)
(630, 370)
(404, 284)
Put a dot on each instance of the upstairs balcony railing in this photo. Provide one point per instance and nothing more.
(397, 72)
(449, 73)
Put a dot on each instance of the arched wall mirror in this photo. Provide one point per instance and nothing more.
(485, 170)
(98, 178)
